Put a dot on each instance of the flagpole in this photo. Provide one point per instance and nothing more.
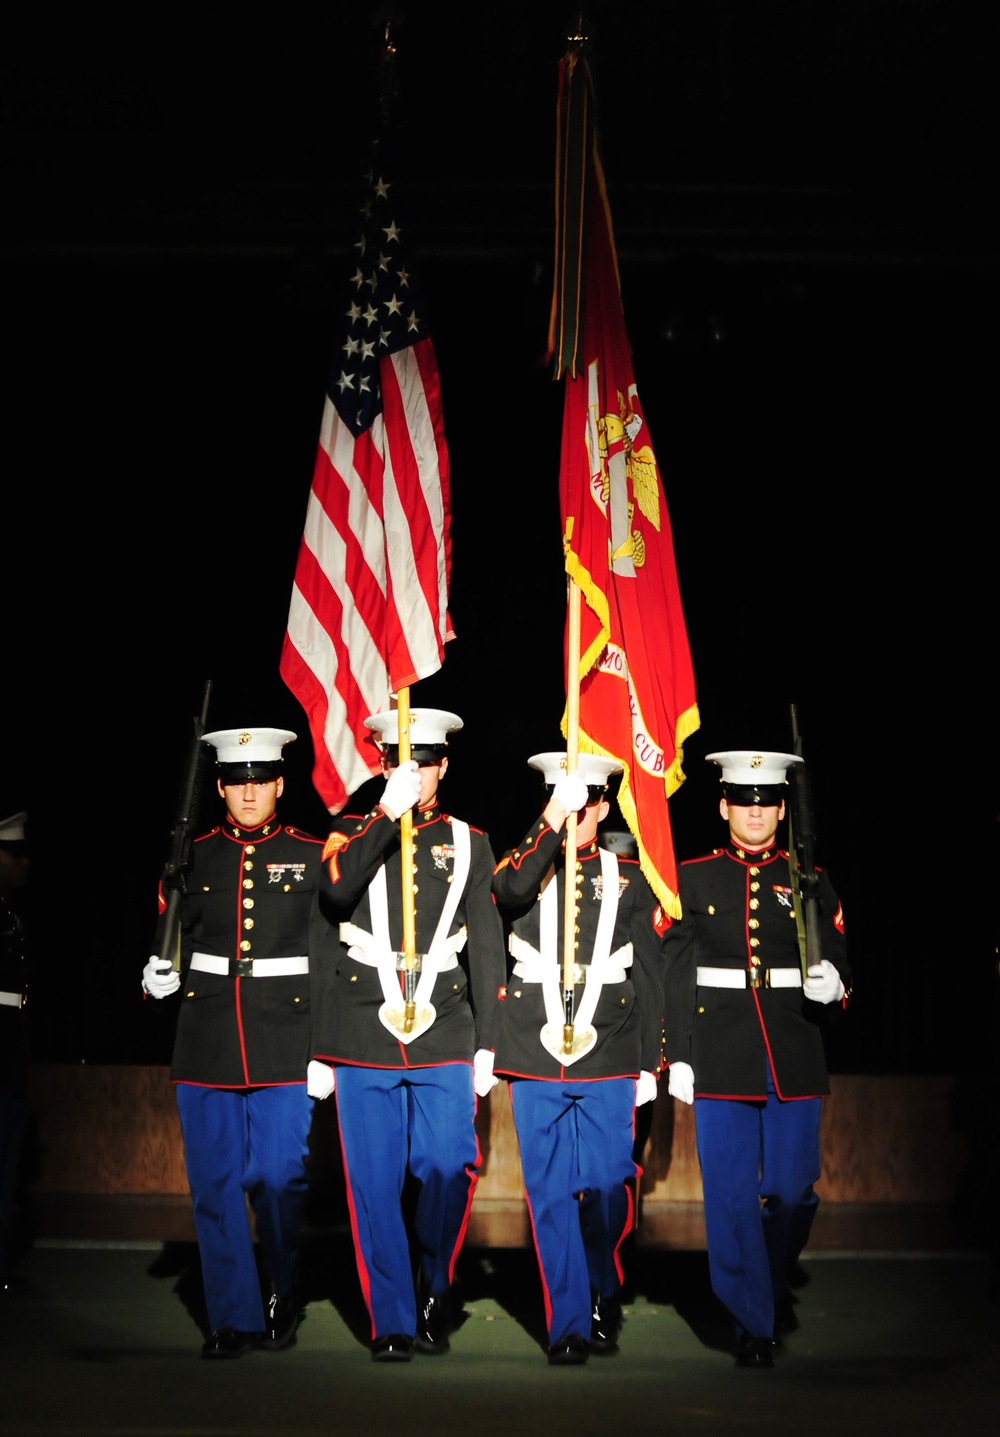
(570, 897)
(406, 867)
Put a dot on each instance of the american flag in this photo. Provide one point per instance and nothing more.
(369, 608)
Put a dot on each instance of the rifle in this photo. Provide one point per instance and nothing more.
(167, 943)
(802, 857)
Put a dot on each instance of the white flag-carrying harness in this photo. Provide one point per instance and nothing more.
(544, 967)
(375, 948)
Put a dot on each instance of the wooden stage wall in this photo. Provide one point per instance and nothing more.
(113, 1130)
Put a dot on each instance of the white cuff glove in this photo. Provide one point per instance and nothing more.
(320, 1081)
(402, 789)
(571, 792)
(160, 978)
(645, 1088)
(483, 1079)
(680, 1083)
(823, 983)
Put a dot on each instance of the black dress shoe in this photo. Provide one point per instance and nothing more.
(605, 1325)
(283, 1314)
(393, 1347)
(754, 1351)
(434, 1323)
(570, 1352)
(227, 1342)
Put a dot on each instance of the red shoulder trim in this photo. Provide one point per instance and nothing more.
(705, 858)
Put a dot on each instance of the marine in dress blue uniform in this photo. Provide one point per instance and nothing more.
(406, 1097)
(744, 1044)
(14, 1051)
(243, 1043)
(574, 1112)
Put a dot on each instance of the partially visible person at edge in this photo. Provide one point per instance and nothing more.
(574, 1113)
(243, 1043)
(406, 1095)
(745, 1046)
(14, 1051)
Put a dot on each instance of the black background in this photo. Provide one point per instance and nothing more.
(805, 213)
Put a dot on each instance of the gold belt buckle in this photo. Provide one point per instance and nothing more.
(758, 978)
(244, 967)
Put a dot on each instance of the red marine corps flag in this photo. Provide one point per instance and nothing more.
(636, 682)
(369, 608)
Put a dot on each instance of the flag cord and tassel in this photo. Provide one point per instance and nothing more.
(570, 897)
(406, 870)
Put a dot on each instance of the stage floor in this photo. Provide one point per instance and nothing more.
(105, 1339)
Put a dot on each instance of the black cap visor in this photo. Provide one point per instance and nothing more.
(748, 795)
(425, 753)
(263, 771)
(595, 792)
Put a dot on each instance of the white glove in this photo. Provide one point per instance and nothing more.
(645, 1088)
(160, 978)
(680, 1083)
(402, 789)
(320, 1081)
(823, 984)
(571, 792)
(483, 1078)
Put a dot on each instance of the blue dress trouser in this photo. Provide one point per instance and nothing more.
(391, 1120)
(758, 1165)
(238, 1144)
(576, 1141)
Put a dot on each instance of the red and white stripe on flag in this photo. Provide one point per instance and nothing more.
(369, 607)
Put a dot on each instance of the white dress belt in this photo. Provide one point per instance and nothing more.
(259, 967)
(11, 1000)
(531, 967)
(364, 948)
(741, 978)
